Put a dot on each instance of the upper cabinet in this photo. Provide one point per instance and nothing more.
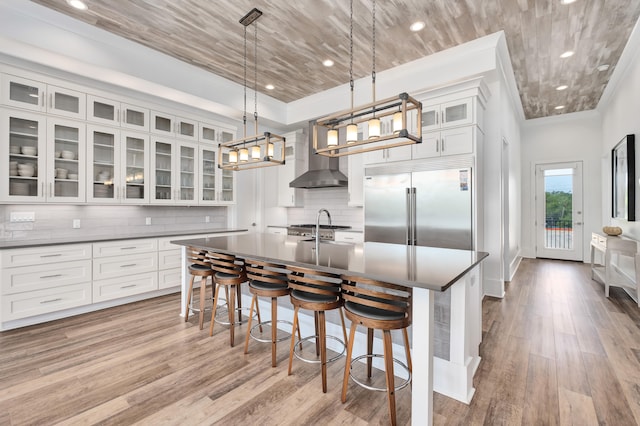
(167, 124)
(39, 96)
(114, 113)
(441, 116)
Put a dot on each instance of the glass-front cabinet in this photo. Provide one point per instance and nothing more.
(113, 113)
(117, 166)
(174, 176)
(447, 114)
(66, 161)
(23, 147)
(208, 168)
(38, 96)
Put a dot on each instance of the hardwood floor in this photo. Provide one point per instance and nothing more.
(555, 351)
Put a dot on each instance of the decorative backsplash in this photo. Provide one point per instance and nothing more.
(333, 199)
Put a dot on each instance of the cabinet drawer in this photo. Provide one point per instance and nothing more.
(117, 266)
(44, 255)
(114, 248)
(349, 237)
(22, 305)
(169, 278)
(115, 288)
(168, 259)
(38, 277)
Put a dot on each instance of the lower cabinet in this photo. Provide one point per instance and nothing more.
(124, 286)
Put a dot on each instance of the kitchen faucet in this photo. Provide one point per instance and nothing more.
(318, 222)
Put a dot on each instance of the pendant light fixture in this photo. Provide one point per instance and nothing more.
(251, 152)
(390, 113)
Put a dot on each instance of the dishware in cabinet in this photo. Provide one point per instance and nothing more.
(117, 166)
(113, 113)
(42, 97)
(23, 147)
(66, 161)
(209, 190)
(173, 165)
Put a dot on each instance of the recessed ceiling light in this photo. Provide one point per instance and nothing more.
(563, 87)
(567, 1)
(567, 54)
(417, 26)
(559, 107)
(270, 87)
(603, 67)
(78, 4)
(327, 63)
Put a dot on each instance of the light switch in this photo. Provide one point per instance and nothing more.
(76, 223)
(207, 219)
(147, 221)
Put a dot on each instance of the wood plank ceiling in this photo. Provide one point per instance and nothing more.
(295, 36)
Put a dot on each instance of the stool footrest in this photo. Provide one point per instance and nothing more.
(298, 355)
(405, 381)
(262, 324)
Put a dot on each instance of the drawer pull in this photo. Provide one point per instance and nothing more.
(51, 255)
(128, 286)
(128, 248)
(51, 276)
(50, 301)
(128, 265)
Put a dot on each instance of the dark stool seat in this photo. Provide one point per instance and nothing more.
(230, 274)
(378, 306)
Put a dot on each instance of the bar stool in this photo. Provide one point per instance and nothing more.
(228, 273)
(266, 280)
(319, 292)
(199, 266)
(380, 306)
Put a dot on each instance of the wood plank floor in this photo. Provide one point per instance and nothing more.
(555, 351)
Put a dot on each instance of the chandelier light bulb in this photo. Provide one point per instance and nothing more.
(233, 157)
(374, 128)
(244, 155)
(397, 122)
(332, 137)
(352, 133)
(255, 152)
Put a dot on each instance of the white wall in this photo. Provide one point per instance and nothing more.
(621, 116)
(571, 137)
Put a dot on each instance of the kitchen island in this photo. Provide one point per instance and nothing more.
(425, 269)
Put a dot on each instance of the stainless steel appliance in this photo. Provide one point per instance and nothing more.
(425, 208)
(327, 232)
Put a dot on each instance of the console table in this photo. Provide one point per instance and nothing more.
(621, 263)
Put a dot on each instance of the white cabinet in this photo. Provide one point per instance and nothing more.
(124, 268)
(170, 262)
(211, 133)
(216, 186)
(355, 180)
(42, 280)
(453, 113)
(66, 161)
(459, 140)
(114, 113)
(386, 155)
(277, 230)
(348, 237)
(118, 166)
(293, 167)
(42, 97)
(174, 171)
(23, 154)
(171, 125)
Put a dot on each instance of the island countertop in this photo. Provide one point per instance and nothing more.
(412, 266)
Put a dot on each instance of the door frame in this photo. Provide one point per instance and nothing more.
(577, 210)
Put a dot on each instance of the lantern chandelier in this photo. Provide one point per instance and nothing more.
(260, 150)
(386, 119)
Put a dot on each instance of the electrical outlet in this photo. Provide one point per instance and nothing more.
(147, 221)
(76, 223)
(23, 217)
(207, 219)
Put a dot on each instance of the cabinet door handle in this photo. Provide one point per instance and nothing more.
(51, 101)
(437, 145)
(51, 255)
(128, 286)
(44, 190)
(50, 276)
(51, 190)
(442, 120)
(42, 99)
(117, 117)
(442, 140)
(129, 265)
(50, 301)
(128, 248)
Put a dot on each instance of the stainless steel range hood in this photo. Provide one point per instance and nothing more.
(323, 171)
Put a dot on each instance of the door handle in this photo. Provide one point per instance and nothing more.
(409, 224)
(577, 223)
(414, 226)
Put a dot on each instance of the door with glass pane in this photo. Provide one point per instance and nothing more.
(163, 171)
(135, 163)
(22, 148)
(188, 173)
(66, 161)
(208, 173)
(559, 218)
(66, 102)
(103, 164)
(23, 93)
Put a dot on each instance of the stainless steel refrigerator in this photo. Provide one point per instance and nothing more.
(425, 208)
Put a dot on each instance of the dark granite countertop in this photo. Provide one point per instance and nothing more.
(413, 266)
(79, 239)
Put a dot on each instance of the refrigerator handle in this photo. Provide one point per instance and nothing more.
(409, 217)
(414, 226)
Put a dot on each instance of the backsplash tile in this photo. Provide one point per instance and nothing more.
(55, 221)
(333, 199)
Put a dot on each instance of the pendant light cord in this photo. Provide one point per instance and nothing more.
(373, 66)
(351, 55)
(255, 78)
(244, 111)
